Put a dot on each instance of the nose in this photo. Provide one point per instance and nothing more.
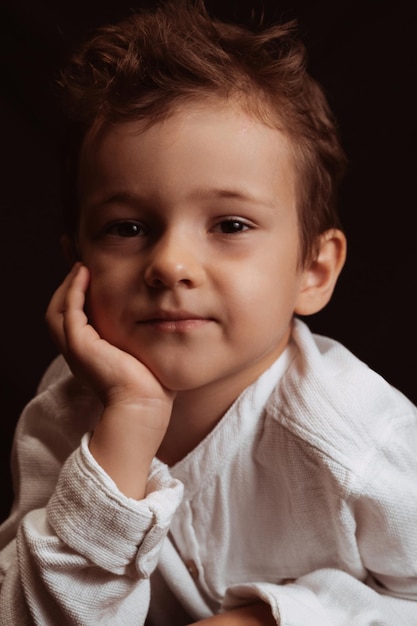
(174, 260)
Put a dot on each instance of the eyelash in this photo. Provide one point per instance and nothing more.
(125, 229)
(233, 221)
(130, 229)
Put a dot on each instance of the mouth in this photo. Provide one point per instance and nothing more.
(174, 321)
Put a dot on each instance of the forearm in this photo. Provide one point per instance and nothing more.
(89, 547)
(125, 441)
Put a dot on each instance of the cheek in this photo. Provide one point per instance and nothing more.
(105, 298)
(267, 296)
(248, 302)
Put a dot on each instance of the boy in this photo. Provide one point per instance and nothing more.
(204, 458)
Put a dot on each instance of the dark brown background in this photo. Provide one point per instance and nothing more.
(364, 54)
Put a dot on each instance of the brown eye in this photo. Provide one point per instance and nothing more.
(231, 226)
(126, 229)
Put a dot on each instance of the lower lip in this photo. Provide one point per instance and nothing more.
(176, 326)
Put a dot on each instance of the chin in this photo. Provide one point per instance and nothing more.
(177, 379)
(178, 383)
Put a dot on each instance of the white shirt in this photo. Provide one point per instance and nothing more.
(304, 495)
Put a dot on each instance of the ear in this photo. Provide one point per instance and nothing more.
(320, 276)
(69, 249)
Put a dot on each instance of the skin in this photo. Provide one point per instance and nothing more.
(191, 277)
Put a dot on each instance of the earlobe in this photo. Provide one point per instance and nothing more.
(320, 276)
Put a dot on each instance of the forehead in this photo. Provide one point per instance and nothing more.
(209, 144)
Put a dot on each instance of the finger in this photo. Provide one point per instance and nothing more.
(55, 312)
(73, 314)
(78, 332)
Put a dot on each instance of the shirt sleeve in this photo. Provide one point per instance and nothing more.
(82, 553)
(327, 597)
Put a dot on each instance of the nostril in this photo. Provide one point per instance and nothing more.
(159, 283)
(165, 272)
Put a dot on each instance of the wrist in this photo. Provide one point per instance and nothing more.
(125, 441)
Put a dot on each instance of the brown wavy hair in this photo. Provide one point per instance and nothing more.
(147, 65)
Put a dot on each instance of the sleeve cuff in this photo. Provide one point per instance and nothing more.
(291, 604)
(91, 516)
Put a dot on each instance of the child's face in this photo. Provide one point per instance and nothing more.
(189, 229)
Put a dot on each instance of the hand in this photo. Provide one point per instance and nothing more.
(137, 408)
(114, 375)
(252, 615)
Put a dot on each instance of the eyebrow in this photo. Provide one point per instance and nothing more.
(200, 193)
(231, 194)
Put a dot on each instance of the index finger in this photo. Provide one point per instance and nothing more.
(73, 312)
(57, 307)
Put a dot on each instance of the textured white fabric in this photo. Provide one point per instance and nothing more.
(304, 495)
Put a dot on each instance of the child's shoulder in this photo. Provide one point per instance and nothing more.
(329, 372)
(62, 404)
(335, 402)
(57, 370)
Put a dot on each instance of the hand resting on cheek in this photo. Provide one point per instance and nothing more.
(136, 407)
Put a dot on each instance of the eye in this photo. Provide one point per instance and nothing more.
(231, 226)
(125, 229)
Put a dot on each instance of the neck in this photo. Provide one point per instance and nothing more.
(196, 412)
(193, 417)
